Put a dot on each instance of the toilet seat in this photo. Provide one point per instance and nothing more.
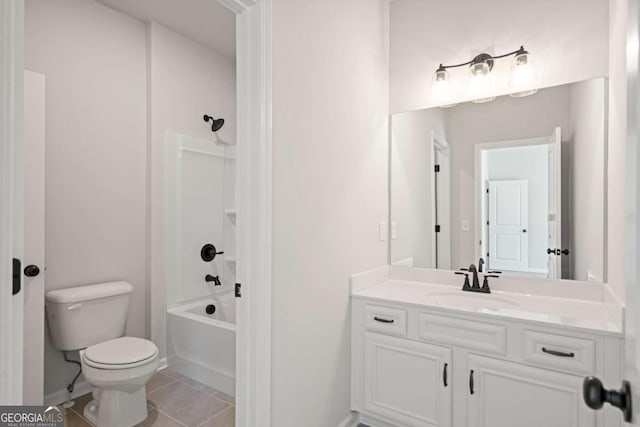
(120, 353)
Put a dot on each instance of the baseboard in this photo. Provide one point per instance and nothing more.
(57, 397)
(81, 388)
(352, 420)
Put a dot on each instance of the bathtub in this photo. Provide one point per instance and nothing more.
(203, 346)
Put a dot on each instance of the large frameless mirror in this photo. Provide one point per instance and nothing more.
(516, 185)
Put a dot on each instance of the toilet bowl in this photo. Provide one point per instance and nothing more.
(118, 371)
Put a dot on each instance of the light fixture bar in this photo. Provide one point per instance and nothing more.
(483, 57)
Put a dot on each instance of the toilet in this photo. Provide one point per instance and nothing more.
(92, 319)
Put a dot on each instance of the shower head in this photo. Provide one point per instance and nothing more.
(216, 124)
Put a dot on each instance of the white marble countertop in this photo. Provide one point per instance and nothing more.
(578, 314)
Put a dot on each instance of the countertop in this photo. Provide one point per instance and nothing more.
(576, 314)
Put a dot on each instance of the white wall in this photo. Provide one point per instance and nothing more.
(568, 40)
(586, 134)
(186, 81)
(504, 119)
(330, 142)
(530, 163)
(411, 183)
(93, 59)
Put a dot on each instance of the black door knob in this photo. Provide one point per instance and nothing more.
(565, 252)
(31, 270)
(595, 396)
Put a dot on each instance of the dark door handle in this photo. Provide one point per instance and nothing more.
(524, 230)
(471, 381)
(551, 251)
(31, 270)
(557, 353)
(595, 396)
(444, 375)
(17, 269)
(565, 252)
(380, 319)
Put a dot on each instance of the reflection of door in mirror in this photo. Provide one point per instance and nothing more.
(440, 205)
(521, 205)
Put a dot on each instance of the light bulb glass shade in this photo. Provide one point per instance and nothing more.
(441, 87)
(480, 86)
(523, 80)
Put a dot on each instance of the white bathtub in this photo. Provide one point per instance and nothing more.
(203, 346)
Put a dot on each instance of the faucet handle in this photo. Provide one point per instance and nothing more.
(485, 282)
(494, 272)
(467, 285)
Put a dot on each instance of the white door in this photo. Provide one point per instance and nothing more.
(11, 195)
(407, 382)
(33, 266)
(505, 394)
(508, 224)
(554, 265)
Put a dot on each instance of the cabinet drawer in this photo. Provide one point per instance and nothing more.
(558, 351)
(388, 320)
(475, 335)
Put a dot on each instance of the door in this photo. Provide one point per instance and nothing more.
(505, 394)
(11, 195)
(554, 265)
(407, 382)
(440, 204)
(508, 224)
(33, 268)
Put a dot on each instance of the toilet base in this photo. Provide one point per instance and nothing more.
(117, 408)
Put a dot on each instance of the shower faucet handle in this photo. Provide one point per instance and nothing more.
(209, 252)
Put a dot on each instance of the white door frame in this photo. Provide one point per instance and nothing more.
(11, 190)
(439, 143)
(254, 181)
(253, 35)
(480, 186)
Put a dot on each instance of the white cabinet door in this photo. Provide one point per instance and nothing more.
(407, 382)
(504, 394)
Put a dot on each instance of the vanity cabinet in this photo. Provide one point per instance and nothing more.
(407, 381)
(501, 393)
(419, 366)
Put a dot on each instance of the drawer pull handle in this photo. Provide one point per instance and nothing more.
(380, 319)
(444, 375)
(471, 382)
(557, 353)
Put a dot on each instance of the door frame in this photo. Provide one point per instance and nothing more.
(253, 347)
(480, 186)
(11, 195)
(439, 143)
(254, 210)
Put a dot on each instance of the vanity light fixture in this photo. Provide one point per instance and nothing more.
(522, 80)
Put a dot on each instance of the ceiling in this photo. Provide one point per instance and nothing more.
(205, 21)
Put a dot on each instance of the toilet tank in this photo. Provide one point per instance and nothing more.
(86, 315)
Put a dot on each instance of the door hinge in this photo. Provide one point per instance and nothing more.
(17, 275)
(238, 293)
(436, 168)
(437, 228)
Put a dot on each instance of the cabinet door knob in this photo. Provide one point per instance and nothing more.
(595, 396)
(471, 382)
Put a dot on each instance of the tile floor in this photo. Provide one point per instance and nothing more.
(174, 401)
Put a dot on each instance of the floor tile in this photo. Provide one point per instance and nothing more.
(227, 418)
(186, 404)
(157, 381)
(72, 419)
(158, 419)
(193, 383)
(225, 397)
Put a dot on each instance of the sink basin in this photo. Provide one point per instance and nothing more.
(469, 299)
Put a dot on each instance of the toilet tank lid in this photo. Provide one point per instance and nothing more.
(88, 292)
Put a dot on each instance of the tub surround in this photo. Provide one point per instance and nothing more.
(425, 353)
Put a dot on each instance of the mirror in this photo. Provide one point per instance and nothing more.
(518, 183)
